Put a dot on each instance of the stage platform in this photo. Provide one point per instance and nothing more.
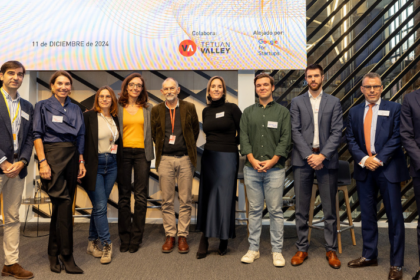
(150, 263)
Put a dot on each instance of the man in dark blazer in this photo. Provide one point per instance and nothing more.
(410, 137)
(317, 124)
(16, 144)
(373, 137)
(175, 130)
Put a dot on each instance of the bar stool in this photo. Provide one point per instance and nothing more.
(242, 160)
(344, 180)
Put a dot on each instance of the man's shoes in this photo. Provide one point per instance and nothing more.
(183, 247)
(299, 258)
(362, 262)
(93, 248)
(333, 259)
(417, 276)
(278, 259)
(134, 248)
(395, 273)
(124, 247)
(16, 271)
(169, 244)
(250, 256)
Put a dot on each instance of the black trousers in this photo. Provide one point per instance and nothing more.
(416, 183)
(131, 230)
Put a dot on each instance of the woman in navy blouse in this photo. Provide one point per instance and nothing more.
(59, 133)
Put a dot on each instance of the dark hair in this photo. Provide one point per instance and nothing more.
(13, 64)
(208, 88)
(264, 75)
(313, 67)
(143, 97)
(60, 73)
(114, 106)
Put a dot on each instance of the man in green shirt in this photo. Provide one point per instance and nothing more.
(265, 139)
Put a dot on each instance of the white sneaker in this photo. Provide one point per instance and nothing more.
(278, 259)
(93, 248)
(250, 256)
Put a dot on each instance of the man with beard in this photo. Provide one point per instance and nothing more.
(317, 124)
(374, 141)
(175, 130)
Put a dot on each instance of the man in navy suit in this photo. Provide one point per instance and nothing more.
(16, 143)
(373, 136)
(410, 137)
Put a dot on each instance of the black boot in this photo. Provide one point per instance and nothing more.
(70, 265)
(203, 247)
(54, 264)
(223, 247)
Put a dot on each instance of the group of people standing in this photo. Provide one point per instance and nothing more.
(115, 139)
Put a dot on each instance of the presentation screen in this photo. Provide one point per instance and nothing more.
(154, 34)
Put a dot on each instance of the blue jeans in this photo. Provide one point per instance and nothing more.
(105, 179)
(270, 186)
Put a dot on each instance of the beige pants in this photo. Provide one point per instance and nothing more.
(172, 170)
(12, 190)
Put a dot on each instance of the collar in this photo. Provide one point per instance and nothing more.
(268, 104)
(8, 97)
(54, 101)
(177, 104)
(376, 103)
(319, 96)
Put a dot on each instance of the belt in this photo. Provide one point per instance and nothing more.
(15, 156)
(175, 156)
(316, 150)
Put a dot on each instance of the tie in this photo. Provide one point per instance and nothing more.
(367, 127)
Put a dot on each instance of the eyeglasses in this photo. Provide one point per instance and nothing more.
(105, 97)
(372, 87)
(133, 85)
(169, 89)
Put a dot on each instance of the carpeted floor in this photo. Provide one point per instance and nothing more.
(150, 263)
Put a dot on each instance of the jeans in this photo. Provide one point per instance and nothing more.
(105, 179)
(270, 186)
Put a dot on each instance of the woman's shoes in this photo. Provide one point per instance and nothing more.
(69, 265)
(55, 265)
(203, 247)
(223, 247)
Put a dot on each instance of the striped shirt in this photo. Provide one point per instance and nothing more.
(14, 108)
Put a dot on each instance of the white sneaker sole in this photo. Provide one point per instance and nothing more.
(250, 261)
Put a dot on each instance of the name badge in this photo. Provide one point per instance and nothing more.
(172, 139)
(272, 124)
(114, 148)
(24, 115)
(220, 115)
(58, 119)
(383, 113)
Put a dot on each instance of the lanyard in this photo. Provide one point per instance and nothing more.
(172, 119)
(7, 105)
(114, 135)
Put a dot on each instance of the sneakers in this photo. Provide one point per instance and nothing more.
(250, 256)
(93, 248)
(278, 259)
(107, 254)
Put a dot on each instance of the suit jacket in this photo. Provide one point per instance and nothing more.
(91, 148)
(190, 129)
(148, 143)
(387, 142)
(330, 126)
(410, 130)
(25, 136)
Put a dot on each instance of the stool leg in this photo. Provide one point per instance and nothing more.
(340, 249)
(74, 204)
(246, 209)
(346, 197)
(311, 211)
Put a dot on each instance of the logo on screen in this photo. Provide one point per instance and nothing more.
(187, 48)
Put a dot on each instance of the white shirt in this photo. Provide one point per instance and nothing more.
(315, 103)
(14, 108)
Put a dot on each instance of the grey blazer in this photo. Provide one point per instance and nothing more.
(148, 142)
(330, 126)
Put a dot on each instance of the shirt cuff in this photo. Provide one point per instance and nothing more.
(378, 160)
(3, 159)
(362, 162)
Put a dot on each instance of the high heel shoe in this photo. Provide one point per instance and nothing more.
(203, 247)
(223, 247)
(69, 265)
(55, 265)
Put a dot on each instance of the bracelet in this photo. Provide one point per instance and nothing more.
(42, 160)
(82, 161)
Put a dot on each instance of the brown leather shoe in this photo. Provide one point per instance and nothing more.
(16, 271)
(183, 245)
(169, 244)
(333, 259)
(362, 262)
(395, 273)
(299, 258)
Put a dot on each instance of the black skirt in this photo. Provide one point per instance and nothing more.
(217, 194)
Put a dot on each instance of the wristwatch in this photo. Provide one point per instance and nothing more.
(24, 161)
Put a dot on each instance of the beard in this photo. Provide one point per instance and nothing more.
(170, 97)
(316, 88)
